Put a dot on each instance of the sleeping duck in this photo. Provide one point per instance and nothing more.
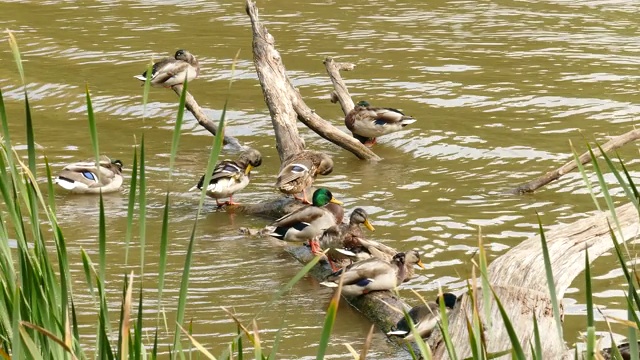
(300, 170)
(369, 275)
(425, 317)
(341, 238)
(310, 221)
(169, 72)
(85, 178)
(231, 176)
(367, 123)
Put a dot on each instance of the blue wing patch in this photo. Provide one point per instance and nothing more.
(364, 282)
(89, 175)
(299, 168)
(380, 122)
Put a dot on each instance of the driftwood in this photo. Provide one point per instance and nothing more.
(285, 102)
(612, 144)
(203, 119)
(519, 279)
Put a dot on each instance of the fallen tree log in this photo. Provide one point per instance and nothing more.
(543, 180)
(520, 282)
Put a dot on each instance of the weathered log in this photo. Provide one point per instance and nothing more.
(284, 101)
(519, 278)
(341, 93)
(612, 144)
(203, 119)
(275, 87)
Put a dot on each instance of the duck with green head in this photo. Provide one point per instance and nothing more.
(173, 71)
(310, 221)
(367, 122)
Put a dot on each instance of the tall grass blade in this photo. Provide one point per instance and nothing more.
(257, 347)
(93, 128)
(102, 243)
(550, 279)
(126, 319)
(605, 192)
(591, 330)
(177, 130)
(537, 350)
(164, 240)
(184, 285)
(198, 346)
(486, 293)
(329, 320)
(34, 350)
(621, 181)
(443, 324)
(632, 336)
(515, 342)
(131, 205)
(142, 207)
(16, 56)
(585, 178)
(636, 195)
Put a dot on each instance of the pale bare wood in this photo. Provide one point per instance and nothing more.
(204, 121)
(520, 277)
(612, 144)
(285, 102)
(275, 87)
(341, 93)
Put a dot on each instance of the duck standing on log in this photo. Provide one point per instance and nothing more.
(367, 123)
(311, 221)
(169, 72)
(231, 176)
(300, 170)
(369, 275)
(85, 178)
(425, 317)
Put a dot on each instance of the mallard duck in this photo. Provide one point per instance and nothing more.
(169, 72)
(340, 238)
(367, 123)
(85, 178)
(309, 222)
(369, 275)
(625, 351)
(372, 249)
(425, 317)
(300, 170)
(231, 176)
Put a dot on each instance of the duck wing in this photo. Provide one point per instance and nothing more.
(295, 170)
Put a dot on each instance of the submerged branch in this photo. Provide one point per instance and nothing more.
(203, 119)
(543, 180)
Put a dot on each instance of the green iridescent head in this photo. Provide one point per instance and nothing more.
(322, 197)
(363, 103)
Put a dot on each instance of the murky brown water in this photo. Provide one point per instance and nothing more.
(499, 89)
